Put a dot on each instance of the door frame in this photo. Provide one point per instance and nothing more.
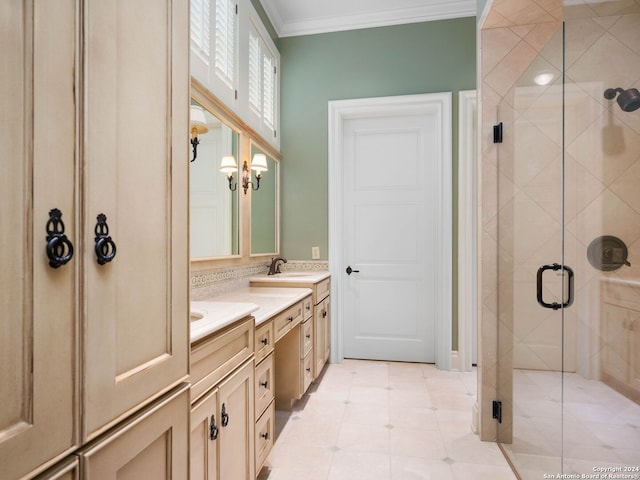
(467, 230)
(341, 110)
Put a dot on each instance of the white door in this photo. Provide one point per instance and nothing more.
(395, 231)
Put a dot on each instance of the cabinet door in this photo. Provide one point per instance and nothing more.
(327, 328)
(37, 165)
(614, 359)
(152, 444)
(321, 326)
(205, 431)
(237, 425)
(135, 163)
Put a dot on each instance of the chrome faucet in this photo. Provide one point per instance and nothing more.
(275, 265)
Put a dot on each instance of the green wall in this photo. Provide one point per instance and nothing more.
(398, 60)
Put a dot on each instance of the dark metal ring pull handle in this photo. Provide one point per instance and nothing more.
(105, 246)
(351, 270)
(265, 435)
(555, 305)
(59, 248)
(264, 341)
(224, 416)
(213, 429)
(264, 384)
(324, 313)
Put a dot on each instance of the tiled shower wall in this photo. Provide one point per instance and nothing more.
(521, 215)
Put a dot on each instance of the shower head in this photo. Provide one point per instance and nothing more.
(629, 100)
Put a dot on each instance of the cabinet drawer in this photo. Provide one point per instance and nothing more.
(214, 357)
(264, 384)
(307, 371)
(264, 340)
(265, 431)
(286, 320)
(307, 307)
(306, 338)
(321, 290)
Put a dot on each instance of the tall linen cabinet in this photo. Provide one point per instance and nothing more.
(94, 340)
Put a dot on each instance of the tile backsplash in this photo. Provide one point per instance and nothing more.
(218, 281)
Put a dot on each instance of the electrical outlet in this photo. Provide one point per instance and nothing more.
(315, 253)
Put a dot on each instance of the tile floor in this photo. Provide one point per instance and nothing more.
(384, 421)
(600, 427)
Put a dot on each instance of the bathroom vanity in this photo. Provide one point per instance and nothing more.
(251, 353)
(320, 284)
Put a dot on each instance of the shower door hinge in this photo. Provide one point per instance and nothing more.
(497, 410)
(497, 133)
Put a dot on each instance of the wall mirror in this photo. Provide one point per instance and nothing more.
(265, 207)
(214, 210)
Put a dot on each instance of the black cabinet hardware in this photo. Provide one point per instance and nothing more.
(213, 429)
(105, 247)
(59, 247)
(224, 415)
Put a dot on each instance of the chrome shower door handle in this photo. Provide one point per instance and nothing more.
(555, 305)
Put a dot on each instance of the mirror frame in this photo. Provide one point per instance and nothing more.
(247, 137)
(236, 193)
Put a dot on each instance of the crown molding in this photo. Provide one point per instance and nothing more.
(435, 11)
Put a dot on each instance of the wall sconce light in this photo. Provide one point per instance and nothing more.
(198, 124)
(228, 165)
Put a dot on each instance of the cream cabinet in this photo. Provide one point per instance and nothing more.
(319, 306)
(94, 106)
(620, 337)
(322, 334)
(65, 470)
(152, 443)
(293, 355)
(222, 412)
(265, 395)
(39, 416)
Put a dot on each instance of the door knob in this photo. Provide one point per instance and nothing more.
(351, 270)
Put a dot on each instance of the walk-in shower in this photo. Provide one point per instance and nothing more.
(629, 100)
(560, 237)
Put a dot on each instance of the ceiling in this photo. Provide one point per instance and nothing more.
(304, 17)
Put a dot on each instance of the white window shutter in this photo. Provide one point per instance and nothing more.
(200, 37)
(268, 90)
(225, 41)
(255, 76)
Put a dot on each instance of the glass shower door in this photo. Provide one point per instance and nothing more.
(530, 230)
(569, 250)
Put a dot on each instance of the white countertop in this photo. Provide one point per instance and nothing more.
(293, 278)
(270, 300)
(261, 302)
(216, 315)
